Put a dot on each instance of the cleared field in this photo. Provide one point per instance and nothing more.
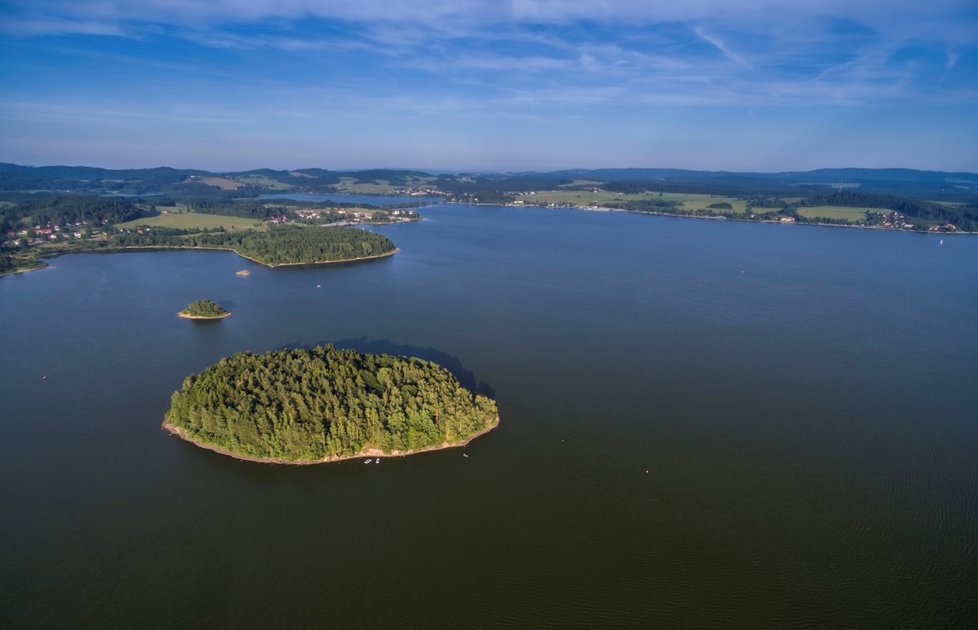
(837, 212)
(580, 182)
(220, 182)
(691, 202)
(380, 186)
(763, 210)
(352, 186)
(703, 202)
(261, 180)
(583, 197)
(191, 220)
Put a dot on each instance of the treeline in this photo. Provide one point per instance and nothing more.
(278, 246)
(245, 209)
(90, 179)
(68, 210)
(309, 404)
(963, 216)
(647, 205)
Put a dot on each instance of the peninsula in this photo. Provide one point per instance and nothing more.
(204, 309)
(322, 405)
(276, 247)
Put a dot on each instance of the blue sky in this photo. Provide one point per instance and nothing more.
(762, 85)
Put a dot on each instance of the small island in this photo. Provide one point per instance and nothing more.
(204, 309)
(323, 405)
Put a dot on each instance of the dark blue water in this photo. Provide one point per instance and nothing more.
(703, 423)
(371, 200)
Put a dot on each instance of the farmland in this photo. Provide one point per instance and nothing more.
(691, 202)
(854, 215)
(193, 220)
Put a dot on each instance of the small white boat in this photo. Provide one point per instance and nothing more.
(378, 461)
(368, 461)
(464, 455)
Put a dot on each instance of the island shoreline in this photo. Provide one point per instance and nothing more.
(370, 453)
(203, 317)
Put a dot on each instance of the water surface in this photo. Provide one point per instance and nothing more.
(703, 423)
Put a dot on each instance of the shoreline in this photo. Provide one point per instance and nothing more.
(203, 317)
(123, 250)
(717, 217)
(370, 452)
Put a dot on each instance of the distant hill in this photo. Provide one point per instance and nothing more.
(889, 180)
(92, 180)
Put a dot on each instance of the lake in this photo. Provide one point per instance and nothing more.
(703, 423)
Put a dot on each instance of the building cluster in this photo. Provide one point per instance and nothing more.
(41, 234)
(421, 191)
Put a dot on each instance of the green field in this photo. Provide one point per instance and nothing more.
(691, 202)
(262, 180)
(856, 215)
(191, 220)
(377, 187)
(702, 202)
(581, 182)
(353, 187)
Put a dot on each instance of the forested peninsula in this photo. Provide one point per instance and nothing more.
(275, 247)
(321, 405)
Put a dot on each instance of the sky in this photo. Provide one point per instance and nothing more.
(490, 85)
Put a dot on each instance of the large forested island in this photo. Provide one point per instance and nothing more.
(324, 404)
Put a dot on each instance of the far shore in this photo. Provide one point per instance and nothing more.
(370, 452)
(718, 217)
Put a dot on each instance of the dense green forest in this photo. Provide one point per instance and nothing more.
(304, 405)
(204, 309)
(277, 246)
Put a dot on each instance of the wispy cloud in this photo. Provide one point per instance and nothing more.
(952, 59)
(723, 48)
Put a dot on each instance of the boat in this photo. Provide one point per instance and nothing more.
(378, 461)
(368, 461)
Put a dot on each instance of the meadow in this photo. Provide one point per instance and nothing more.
(690, 202)
(855, 215)
(176, 217)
